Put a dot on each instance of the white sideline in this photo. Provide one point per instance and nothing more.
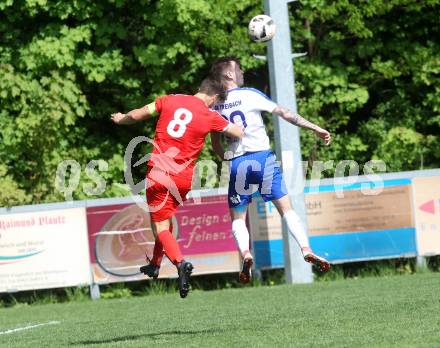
(29, 327)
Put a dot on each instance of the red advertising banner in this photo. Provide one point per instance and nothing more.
(120, 236)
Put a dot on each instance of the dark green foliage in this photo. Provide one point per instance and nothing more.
(371, 77)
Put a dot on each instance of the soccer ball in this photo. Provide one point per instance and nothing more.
(261, 28)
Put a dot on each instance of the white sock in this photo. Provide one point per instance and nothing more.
(296, 228)
(241, 235)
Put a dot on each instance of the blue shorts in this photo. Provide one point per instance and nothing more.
(251, 172)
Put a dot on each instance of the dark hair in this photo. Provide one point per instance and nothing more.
(219, 67)
(212, 87)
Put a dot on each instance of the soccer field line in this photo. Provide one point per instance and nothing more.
(53, 322)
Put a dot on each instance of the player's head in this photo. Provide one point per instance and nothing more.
(214, 90)
(227, 70)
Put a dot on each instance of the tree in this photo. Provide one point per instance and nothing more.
(371, 76)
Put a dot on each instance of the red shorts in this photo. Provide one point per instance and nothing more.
(165, 192)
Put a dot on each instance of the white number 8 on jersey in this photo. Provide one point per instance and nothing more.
(180, 122)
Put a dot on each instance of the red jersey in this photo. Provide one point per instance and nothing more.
(183, 124)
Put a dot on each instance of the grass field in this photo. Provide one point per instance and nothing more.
(396, 311)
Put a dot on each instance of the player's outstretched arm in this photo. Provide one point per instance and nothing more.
(135, 115)
(299, 121)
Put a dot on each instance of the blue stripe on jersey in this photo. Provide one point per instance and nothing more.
(250, 89)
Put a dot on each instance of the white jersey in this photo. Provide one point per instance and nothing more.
(243, 107)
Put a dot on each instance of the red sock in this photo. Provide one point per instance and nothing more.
(158, 251)
(170, 246)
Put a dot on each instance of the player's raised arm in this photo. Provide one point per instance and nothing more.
(300, 121)
(135, 115)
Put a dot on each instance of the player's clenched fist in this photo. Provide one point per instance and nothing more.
(116, 118)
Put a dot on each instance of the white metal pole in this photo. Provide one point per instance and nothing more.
(282, 89)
